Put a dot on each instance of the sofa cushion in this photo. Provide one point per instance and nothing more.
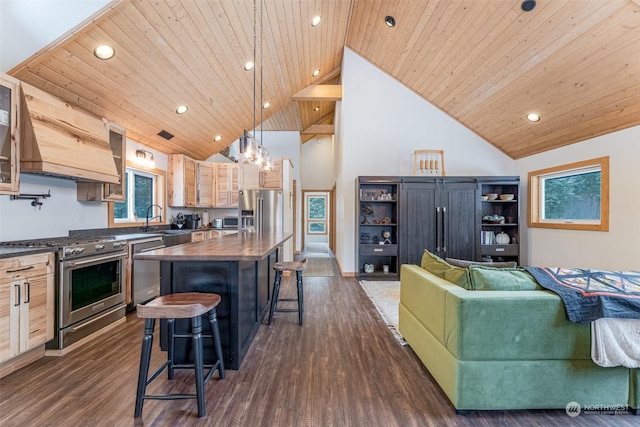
(466, 264)
(501, 279)
(436, 265)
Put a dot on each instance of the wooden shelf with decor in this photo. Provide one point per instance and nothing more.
(377, 228)
(499, 219)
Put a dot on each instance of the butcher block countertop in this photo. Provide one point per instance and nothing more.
(243, 246)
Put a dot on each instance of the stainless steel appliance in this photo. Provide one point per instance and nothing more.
(90, 284)
(90, 288)
(260, 211)
(193, 222)
(230, 222)
(146, 274)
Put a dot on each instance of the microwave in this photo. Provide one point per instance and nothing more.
(230, 222)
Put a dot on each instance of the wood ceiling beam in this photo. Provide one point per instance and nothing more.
(333, 73)
(319, 93)
(319, 130)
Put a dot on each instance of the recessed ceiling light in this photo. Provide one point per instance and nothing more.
(533, 117)
(316, 108)
(315, 73)
(266, 105)
(249, 65)
(217, 138)
(528, 5)
(315, 21)
(182, 109)
(104, 52)
(390, 21)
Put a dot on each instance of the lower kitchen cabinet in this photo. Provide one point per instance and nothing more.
(26, 305)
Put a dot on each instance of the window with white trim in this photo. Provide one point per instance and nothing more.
(142, 189)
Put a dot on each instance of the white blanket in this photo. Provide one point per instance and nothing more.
(616, 342)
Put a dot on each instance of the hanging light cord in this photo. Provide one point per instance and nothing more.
(254, 66)
(261, 37)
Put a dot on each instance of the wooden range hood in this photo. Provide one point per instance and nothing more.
(60, 140)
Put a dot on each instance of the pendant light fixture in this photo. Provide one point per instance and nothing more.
(251, 148)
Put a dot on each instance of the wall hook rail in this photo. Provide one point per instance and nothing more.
(35, 198)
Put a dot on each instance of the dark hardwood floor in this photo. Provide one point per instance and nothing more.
(341, 368)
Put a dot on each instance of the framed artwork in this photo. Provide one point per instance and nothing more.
(317, 227)
(317, 208)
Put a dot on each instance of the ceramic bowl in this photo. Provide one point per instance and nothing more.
(484, 198)
(507, 196)
(492, 196)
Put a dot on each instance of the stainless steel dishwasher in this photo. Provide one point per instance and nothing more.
(146, 274)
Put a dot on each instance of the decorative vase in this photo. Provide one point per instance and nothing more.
(502, 238)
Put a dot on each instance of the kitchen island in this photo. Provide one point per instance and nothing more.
(237, 267)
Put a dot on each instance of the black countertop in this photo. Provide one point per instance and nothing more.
(9, 251)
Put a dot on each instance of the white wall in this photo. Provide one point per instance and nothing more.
(62, 211)
(317, 164)
(382, 124)
(287, 144)
(617, 249)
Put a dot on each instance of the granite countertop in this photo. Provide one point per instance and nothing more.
(8, 251)
(243, 246)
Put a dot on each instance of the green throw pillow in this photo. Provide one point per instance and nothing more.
(466, 264)
(501, 279)
(436, 265)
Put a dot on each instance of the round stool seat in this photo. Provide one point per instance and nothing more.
(178, 306)
(291, 265)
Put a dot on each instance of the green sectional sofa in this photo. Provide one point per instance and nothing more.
(498, 349)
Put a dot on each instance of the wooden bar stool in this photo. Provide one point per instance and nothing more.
(279, 267)
(188, 305)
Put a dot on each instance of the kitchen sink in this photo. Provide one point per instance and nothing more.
(176, 237)
(175, 231)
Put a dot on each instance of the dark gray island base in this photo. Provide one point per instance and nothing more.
(239, 269)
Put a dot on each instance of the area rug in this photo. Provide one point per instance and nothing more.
(385, 297)
(319, 267)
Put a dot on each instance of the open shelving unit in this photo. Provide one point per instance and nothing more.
(493, 242)
(377, 228)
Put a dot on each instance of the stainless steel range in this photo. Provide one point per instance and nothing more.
(90, 284)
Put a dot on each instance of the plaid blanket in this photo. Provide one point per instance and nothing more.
(592, 294)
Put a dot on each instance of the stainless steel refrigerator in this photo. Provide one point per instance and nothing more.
(260, 211)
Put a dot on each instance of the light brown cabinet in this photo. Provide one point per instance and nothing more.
(254, 178)
(272, 179)
(205, 184)
(182, 181)
(9, 135)
(95, 191)
(26, 304)
(226, 181)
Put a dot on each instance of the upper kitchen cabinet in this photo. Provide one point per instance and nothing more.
(9, 135)
(253, 177)
(226, 185)
(205, 176)
(109, 192)
(182, 181)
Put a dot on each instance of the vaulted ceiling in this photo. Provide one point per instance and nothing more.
(485, 63)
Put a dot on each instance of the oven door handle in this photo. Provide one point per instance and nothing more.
(93, 260)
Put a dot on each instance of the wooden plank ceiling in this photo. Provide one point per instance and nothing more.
(485, 63)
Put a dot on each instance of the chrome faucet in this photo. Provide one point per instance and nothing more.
(146, 223)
